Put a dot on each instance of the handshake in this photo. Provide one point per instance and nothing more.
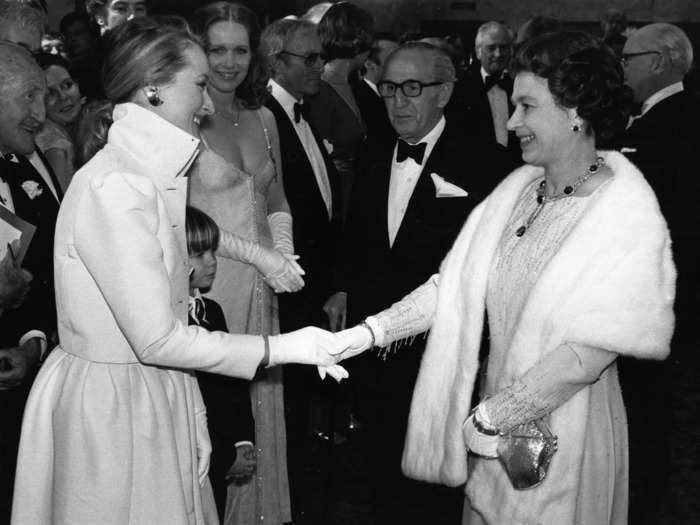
(314, 346)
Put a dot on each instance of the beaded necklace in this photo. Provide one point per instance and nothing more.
(543, 198)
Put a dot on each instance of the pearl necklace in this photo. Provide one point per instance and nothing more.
(543, 198)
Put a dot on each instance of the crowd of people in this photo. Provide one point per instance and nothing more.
(202, 217)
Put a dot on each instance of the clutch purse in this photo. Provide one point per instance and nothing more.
(526, 452)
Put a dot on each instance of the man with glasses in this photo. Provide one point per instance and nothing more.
(292, 50)
(410, 200)
(664, 142)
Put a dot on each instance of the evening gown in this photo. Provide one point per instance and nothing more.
(238, 203)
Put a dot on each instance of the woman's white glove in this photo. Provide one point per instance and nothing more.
(280, 271)
(352, 342)
(337, 372)
(308, 346)
(479, 436)
(281, 229)
(203, 446)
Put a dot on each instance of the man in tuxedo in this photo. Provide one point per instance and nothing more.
(410, 202)
(27, 194)
(482, 97)
(293, 51)
(664, 142)
(364, 89)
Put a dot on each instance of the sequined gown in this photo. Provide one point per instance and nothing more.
(238, 203)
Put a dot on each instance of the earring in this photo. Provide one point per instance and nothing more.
(575, 128)
(153, 97)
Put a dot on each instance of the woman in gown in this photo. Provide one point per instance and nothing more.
(570, 257)
(114, 430)
(237, 181)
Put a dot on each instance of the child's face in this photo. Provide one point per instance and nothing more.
(203, 270)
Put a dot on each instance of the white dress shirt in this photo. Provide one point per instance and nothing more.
(372, 86)
(308, 140)
(404, 176)
(498, 100)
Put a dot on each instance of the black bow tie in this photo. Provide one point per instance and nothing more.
(414, 151)
(502, 81)
(301, 110)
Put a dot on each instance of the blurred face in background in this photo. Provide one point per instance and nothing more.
(63, 100)
(229, 55)
(117, 12)
(78, 39)
(494, 50)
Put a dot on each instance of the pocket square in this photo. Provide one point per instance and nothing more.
(446, 189)
(628, 150)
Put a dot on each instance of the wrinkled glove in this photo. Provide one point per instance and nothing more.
(203, 446)
(281, 229)
(479, 436)
(281, 272)
(308, 346)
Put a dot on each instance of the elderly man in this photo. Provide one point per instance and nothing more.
(482, 98)
(664, 142)
(410, 200)
(24, 192)
(22, 24)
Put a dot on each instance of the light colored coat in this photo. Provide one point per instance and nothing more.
(611, 286)
(110, 429)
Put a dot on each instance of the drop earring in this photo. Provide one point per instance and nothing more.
(575, 128)
(153, 97)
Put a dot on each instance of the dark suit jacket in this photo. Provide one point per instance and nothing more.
(469, 106)
(38, 311)
(315, 234)
(375, 274)
(373, 111)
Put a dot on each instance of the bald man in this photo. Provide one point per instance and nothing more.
(24, 192)
(411, 197)
(664, 141)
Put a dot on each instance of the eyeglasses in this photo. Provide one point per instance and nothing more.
(410, 88)
(625, 59)
(309, 60)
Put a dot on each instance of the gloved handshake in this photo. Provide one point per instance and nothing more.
(319, 347)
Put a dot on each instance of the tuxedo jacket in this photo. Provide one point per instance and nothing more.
(664, 144)
(469, 105)
(372, 110)
(38, 311)
(375, 274)
(315, 234)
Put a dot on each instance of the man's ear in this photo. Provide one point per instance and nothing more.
(444, 93)
(659, 63)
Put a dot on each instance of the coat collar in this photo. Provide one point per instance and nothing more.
(151, 141)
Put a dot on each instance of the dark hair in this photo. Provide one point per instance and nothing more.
(202, 231)
(46, 60)
(581, 73)
(253, 89)
(536, 26)
(345, 31)
(71, 18)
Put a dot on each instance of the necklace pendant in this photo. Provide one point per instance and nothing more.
(520, 231)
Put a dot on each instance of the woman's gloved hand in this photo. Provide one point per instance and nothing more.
(308, 346)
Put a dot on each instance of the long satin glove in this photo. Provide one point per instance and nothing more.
(308, 346)
(349, 343)
(203, 446)
(281, 229)
(278, 271)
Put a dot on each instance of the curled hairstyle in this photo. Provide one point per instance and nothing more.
(581, 73)
(345, 31)
(46, 60)
(253, 89)
(202, 231)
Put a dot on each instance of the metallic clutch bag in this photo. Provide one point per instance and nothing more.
(526, 452)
